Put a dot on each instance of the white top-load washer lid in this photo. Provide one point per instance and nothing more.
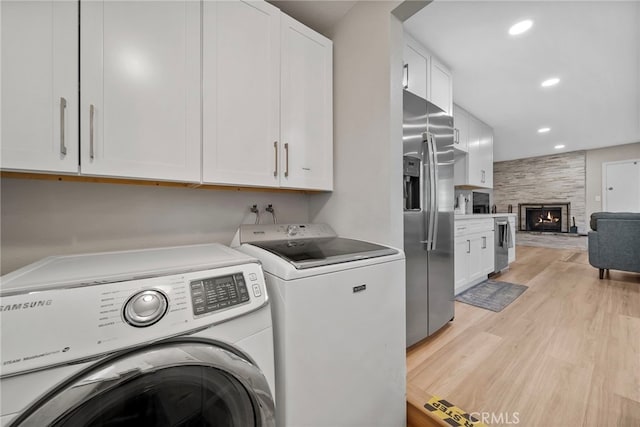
(73, 308)
(309, 248)
(107, 267)
(309, 245)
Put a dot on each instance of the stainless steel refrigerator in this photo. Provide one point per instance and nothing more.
(428, 216)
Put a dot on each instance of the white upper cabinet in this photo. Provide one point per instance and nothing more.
(140, 85)
(416, 63)
(474, 168)
(486, 156)
(39, 85)
(220, 92)
(306, 128)
(424, 75)
(241, 93)
(461, 129)
(474, 159)
(440, 86)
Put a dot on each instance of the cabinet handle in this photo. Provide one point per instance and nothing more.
(406, 79)
(63, 107)
(275, 168)
(91, 112)
(482, 180)
(484, 242)
(468, 246)
(286, 159)
(456, 136)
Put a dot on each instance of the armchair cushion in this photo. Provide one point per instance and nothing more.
(614, 242)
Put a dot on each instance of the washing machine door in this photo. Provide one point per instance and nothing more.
(176, 383)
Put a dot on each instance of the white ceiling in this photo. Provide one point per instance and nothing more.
(592, 46)
(319, 15)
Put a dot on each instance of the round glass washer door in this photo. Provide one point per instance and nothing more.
(176, 383)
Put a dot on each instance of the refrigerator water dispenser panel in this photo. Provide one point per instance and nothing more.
(411, 172)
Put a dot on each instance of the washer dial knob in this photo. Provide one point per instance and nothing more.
(145, 308)
(292, 230)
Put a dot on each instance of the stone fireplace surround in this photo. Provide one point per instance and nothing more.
(553, 178)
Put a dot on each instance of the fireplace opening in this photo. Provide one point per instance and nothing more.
(551, 218)
(547, 219)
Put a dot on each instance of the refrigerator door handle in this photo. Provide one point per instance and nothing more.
(434, 196)
(426, 191)
(431, 217)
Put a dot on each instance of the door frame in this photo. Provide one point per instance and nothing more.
(604, 179)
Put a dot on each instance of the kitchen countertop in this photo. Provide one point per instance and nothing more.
(480, 216)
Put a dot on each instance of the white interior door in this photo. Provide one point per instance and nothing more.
(621, 186)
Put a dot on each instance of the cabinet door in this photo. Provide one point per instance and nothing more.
(416, 64)
(241, 93)
(474, 160)
(475, 261)
(39, 85)
(487, 155)
(140, 84)
(461, 129)
(461, 255)
(306, 108)
(440, 86)
(487, 245)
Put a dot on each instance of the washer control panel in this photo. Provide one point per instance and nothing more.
(70, 324)
(218, 293)
(253, 233)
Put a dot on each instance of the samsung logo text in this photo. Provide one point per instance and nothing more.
(26, 305)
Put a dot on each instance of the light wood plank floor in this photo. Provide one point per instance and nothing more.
(565, 353)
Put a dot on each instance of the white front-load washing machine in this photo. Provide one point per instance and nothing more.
(339, 325)
(176, 336)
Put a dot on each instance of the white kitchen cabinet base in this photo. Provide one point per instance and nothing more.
(473, 252)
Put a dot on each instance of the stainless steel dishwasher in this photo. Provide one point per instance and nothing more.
(502, 243)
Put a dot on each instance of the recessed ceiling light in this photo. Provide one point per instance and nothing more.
(559, 146)
(520, 27)
(544, 130)
(550, 82)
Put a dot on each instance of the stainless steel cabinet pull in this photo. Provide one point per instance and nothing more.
(286, 159)
(406, 73)
(484, 242)
(63, 107)
(468, 246)
(275, 148)
(91, 112)
(456, 136)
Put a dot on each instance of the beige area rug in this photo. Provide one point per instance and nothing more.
(550, 240)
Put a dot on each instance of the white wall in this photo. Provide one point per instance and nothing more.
(42, 218)
(595, 159)
(367, 200)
